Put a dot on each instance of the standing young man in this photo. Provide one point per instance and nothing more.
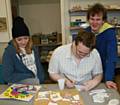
(106, 42)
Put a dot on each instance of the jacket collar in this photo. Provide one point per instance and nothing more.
(105, 27)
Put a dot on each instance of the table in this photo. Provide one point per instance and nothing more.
(85, 95)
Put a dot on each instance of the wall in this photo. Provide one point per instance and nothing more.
(5, 12)
(2, 47)
(41, 15)
(5, 36)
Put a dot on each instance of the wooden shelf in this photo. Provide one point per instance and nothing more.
(77, 11)
(113, 9)
(75, 28)
(72, 11)
(51, 44)
(117, 26)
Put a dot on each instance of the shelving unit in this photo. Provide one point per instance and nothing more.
(46, 45)
(46, 51)
(76, 25)
(78, 19)
(67, 13)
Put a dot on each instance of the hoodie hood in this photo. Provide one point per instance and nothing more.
(10, 47)
(10, 43)
(105, 27)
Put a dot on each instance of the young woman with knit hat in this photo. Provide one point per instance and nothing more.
(21, 63)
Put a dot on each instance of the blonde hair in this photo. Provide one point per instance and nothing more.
(28, 47)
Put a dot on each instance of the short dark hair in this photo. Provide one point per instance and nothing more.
(87, 38)
(97, 9)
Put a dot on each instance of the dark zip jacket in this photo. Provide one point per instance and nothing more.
(13, 68)
(106, 45)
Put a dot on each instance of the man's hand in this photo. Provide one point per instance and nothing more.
(90, 84)
(111, 84)
(69, 83)
(94, 82)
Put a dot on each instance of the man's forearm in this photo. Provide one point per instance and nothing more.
(55, 76)
(93, 83)
(98, 78)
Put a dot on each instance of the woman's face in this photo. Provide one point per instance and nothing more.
(22, 41)
(96, 22)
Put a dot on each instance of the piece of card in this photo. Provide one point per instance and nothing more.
(52, 103)
(55, 96)
(97, 91)
(80, 87)
(76, 97)
(44, 95)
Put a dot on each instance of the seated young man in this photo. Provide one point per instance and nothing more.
(77, 62)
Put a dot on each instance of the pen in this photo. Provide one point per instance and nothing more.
(69, 79)
(78, 83)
